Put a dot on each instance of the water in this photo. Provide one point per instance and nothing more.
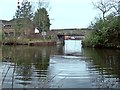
(68, 66)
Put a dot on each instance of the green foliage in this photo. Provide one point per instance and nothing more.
(25, 11)
(23, 17)
(41, 20)
(105, 33)
(106, 30)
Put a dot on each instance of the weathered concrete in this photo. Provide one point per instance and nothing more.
(61, 33)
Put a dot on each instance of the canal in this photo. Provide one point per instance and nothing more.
(68, 66)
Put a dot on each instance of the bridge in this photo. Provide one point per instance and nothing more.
(7, 27)
(60, 34)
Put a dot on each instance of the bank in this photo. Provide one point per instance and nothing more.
(28, 42)
(107, 45)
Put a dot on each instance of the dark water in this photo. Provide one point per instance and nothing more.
(68, 66)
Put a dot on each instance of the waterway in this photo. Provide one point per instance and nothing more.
(61, 66)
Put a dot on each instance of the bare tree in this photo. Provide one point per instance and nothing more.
(116, 5)
(104, 7)
(43, 4)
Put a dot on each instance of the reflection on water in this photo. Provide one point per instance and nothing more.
(72, 46)
(29, 65)
(106, 63)
(68, 66)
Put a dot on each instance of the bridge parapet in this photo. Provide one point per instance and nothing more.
(77, 32)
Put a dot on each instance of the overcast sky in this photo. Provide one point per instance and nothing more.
(63, 13)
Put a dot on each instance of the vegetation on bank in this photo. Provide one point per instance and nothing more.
(26, 20)
(39, 18)
(105, 31)
(25, 40)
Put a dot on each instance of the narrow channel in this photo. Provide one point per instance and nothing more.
(68, 66)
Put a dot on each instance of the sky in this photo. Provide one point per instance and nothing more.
(63, 13)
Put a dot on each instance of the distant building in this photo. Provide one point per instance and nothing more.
(8, 27)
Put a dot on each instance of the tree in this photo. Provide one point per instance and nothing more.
(116, 6)
(24, 16)
(26, 10)
(104, 7)
(41, 20)
(106, 30)
(43, 4)
(119, 8)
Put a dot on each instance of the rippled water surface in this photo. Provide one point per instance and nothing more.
(68, 66)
